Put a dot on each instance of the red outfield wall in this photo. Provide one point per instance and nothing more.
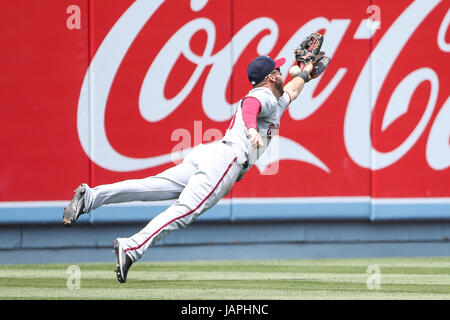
(101, 91)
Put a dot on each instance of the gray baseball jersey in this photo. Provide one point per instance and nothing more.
(268, 123)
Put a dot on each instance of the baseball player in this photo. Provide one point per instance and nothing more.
(209, 171)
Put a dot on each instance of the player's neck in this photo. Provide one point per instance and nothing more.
(275, 91)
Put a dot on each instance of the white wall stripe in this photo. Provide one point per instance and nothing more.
(292, 200)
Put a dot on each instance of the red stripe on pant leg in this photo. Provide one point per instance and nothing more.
(157, 231)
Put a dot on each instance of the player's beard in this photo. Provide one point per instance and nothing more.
(279, 86)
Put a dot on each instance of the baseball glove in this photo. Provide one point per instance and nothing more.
(320, 65)
(304, 57)
(309, 49)
(309, 52)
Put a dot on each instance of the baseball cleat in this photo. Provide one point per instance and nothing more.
(75, 207)
(123, 262)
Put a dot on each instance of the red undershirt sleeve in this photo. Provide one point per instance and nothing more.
(250, 109)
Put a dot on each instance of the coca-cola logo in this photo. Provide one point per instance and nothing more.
(154, 106)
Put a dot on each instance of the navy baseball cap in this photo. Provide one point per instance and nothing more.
(261, 67)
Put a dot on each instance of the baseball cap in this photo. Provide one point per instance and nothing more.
(261, 67)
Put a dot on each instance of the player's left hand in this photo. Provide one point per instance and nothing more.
(309, 68)
(255, 139)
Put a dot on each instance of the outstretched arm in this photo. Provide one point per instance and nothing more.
(311, 61)
(295, 86)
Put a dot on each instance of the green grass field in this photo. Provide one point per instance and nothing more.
(400, 278)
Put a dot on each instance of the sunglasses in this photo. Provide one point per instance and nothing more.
(277, 69)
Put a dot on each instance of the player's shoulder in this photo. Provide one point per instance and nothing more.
(263, 94)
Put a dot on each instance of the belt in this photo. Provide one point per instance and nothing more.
(245, 164)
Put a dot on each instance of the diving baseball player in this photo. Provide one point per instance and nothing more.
(209, 171)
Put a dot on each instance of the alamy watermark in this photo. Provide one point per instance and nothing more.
(73, 21)
(269, 164)
(73, 277)
(374, 21)
(374, 280)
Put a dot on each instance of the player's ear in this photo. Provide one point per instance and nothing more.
(272, 77)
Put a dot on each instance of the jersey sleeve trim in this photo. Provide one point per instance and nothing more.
(290, 98)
